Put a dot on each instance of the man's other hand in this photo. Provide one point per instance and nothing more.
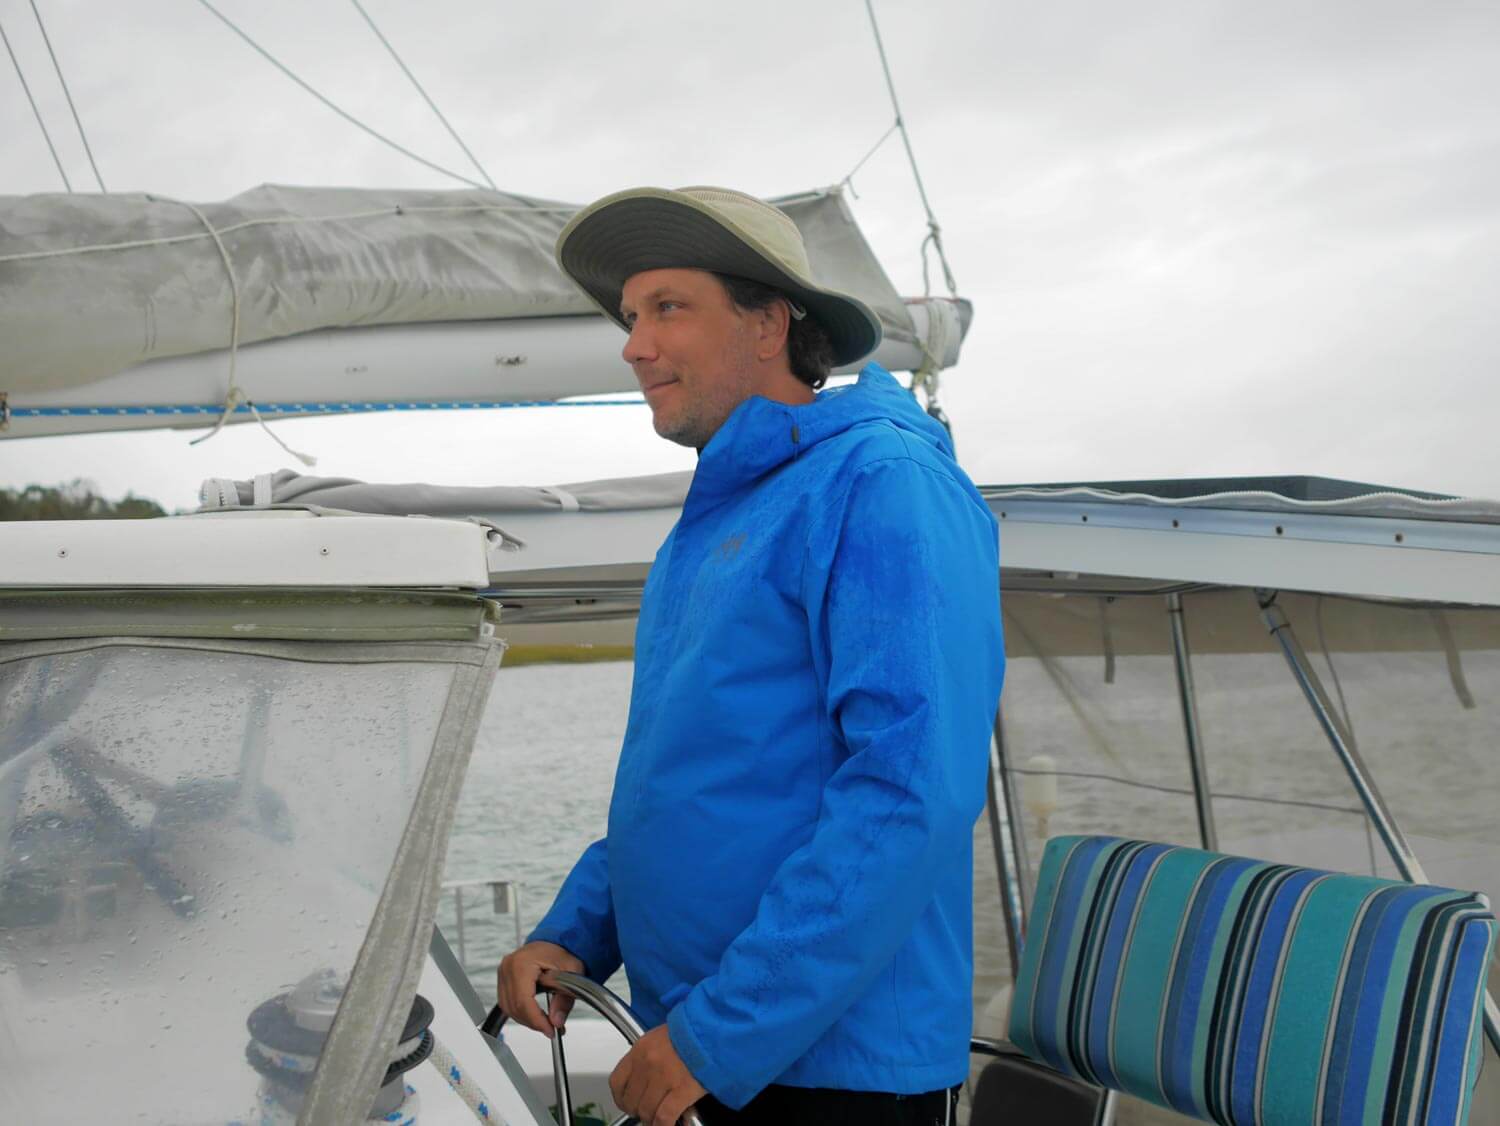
(516, 988)
(653, 1083)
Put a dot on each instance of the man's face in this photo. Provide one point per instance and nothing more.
(692, 351)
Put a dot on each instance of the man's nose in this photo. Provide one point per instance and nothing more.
(639, 345)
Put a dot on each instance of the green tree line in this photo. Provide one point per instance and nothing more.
(75, 500)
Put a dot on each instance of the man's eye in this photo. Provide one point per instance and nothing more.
(664, 306)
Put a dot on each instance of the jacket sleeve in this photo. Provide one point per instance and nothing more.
(582, 917)
(902, 596)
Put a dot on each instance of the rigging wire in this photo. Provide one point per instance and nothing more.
(347, 116)
(452, 132)
(69, 95)
(934, 232)
(48, 136)
(848, 181)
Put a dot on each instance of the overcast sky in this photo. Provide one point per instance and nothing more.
(1201, 238)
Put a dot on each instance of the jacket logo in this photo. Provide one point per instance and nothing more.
(731, 546)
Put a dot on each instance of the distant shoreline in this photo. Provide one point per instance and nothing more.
(518, 655)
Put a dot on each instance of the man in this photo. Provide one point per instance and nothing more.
(787, 870)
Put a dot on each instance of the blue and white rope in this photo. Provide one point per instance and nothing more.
(271, 1111)
(307, 408)
(406, 1114)
(463, 1086)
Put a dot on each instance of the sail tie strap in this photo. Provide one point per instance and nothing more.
(261, 494)
(1455, 660)
(566, 499)
(941, 320)
(235, 395)
(1107, 640)
(218, 492)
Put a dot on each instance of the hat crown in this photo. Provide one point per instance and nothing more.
(766, 227)
(706, 228)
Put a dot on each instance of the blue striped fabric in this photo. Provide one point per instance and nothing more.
(1245, 992)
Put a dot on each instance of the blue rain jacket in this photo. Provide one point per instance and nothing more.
(787, 874)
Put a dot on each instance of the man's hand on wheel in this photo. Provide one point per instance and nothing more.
(516, 988)
(653, 1083)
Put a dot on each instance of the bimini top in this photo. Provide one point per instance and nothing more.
(1263, 494)
(668, 490)
(1290, 533)
(595, 540)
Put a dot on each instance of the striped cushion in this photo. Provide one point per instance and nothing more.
(1242, 992)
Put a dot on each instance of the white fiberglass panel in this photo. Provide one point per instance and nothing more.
(186, 833)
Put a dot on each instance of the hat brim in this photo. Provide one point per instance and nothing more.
(622, 235)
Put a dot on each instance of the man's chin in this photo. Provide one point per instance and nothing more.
(673, 429)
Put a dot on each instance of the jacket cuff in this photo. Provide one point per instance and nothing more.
(723, 1086)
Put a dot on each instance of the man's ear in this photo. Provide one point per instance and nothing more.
(773, 323)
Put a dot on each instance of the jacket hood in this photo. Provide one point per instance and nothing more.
(761, 434)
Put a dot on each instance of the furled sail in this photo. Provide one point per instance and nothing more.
(114, 305)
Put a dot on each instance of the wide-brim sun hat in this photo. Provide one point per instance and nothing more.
(705, 228)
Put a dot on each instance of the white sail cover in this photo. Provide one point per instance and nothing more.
(485, 502)
(92, 285)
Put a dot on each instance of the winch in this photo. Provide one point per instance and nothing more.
(286, 1039)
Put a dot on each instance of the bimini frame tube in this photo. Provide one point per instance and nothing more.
(1187, 694)
(1364, 784)
(1010, 862)
(1010, 855)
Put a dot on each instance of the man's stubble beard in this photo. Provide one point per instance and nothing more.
(701, 417)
